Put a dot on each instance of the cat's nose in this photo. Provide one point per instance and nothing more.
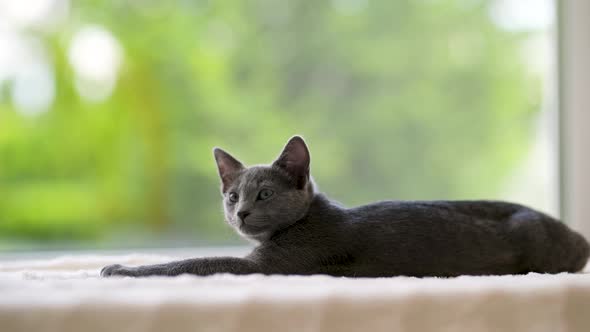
(243, 214)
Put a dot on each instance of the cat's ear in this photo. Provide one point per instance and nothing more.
(295, 161)
(227, 166)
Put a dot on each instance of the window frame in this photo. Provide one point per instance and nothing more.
(573, 53)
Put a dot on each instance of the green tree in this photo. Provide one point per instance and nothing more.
(398, 100)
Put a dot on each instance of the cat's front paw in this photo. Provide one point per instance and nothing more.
(117, 270)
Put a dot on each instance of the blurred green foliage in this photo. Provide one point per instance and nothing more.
(397, 99)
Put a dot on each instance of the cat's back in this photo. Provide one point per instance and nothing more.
(439, 211)
(424, 238)
(417, 223)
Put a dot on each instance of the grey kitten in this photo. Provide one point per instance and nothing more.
(300, 231)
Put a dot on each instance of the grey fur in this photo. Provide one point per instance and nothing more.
(300, 231)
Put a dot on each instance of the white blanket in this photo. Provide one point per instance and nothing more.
(66, 294)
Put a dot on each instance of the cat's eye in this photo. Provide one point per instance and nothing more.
(264, 194)
(233, 197)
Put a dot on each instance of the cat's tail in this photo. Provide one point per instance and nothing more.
(550, 246)
(580, 252)
(566, 250)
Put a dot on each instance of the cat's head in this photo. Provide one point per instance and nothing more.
(258, 201)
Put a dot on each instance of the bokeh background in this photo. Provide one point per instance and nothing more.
(109, 110)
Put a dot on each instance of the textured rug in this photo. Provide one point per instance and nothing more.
(66, 294)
